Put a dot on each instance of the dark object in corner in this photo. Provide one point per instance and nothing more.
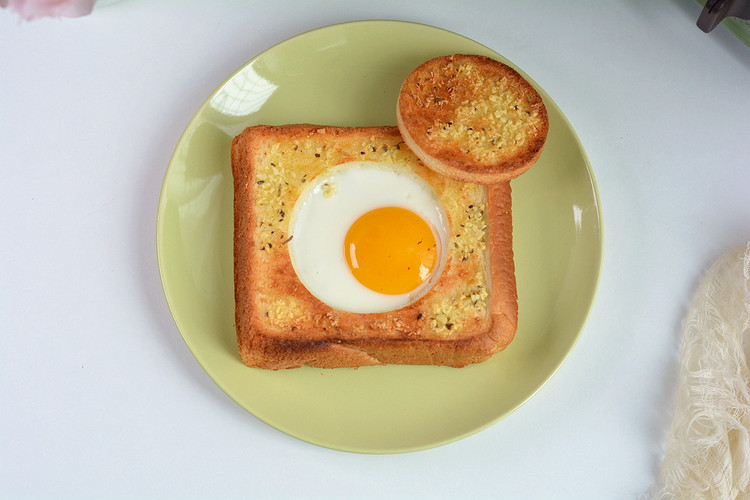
(716, 10)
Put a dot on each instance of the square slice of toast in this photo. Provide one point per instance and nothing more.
(468, 315)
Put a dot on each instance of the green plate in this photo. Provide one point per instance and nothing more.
(350, 74)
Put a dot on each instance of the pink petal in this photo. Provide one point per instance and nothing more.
(33, 9)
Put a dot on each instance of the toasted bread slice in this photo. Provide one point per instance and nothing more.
(472, 118)
(467, 316)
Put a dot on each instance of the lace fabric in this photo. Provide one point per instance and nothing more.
(708, 445)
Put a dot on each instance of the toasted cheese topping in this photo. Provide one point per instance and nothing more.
(470, 223)
(283, 310)
(492, 120)
(287, 166)
(450, 313)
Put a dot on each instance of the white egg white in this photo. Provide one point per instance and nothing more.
(326, 210)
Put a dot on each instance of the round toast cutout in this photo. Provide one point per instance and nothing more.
(472, 118)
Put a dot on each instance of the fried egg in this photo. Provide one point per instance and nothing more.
(368, 237)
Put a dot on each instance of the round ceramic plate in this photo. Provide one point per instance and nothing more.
(350, 74)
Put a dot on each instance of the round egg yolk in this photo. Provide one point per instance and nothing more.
(391, 250)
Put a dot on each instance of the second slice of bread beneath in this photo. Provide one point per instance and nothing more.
(467, 316)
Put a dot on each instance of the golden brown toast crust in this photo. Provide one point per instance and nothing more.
(472, 118)
(281, 325)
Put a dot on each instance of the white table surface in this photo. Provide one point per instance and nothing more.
(100, 395)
